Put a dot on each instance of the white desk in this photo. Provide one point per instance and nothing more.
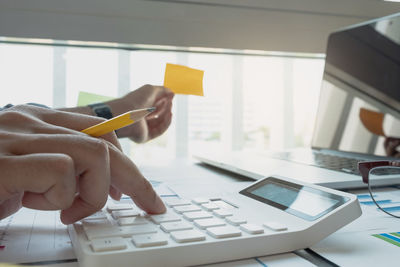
(350, 246)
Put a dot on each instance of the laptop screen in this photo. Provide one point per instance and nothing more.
(362, 70)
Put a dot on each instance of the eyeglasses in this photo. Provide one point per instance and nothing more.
(374, 173)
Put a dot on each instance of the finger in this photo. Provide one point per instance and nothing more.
(10, 206)
(127, 178)
(158, 126)
(47, 128)
(161, 107)
(115, 193)
(156, 129)
(28, 123)
(79, 122)
(63, 119)
(391, 145)
(138, 132)
(49, 178)
(164, 92)
(91, 162)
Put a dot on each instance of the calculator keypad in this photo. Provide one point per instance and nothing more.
(195, 220)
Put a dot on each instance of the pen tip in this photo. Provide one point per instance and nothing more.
(151, 109)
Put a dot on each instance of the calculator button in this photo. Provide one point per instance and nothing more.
(166, 217)
(274, 226)
(132, 221)
(101, 232)
(205, 223)
(210, 206)
(175, 226)
(124, 213)
(200, 200)
(102, 223)
(151, 240)
(107, 244)
(97, 215)
(177, 202)
(196, 215)
(124, 231)
(119, 206)
(235, 220)
(138, 229)
(223, 231)
(222, 213)
(186, 208)
(252, 228)
(188, 236)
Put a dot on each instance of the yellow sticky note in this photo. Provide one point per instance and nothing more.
(183, 80)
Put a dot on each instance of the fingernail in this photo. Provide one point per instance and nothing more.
(160, 205)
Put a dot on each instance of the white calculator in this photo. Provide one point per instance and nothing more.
(273, 215)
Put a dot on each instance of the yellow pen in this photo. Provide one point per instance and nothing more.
(118, 122)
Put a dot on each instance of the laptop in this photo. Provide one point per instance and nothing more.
(362, 70)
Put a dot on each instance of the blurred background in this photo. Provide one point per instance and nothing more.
(263, 62)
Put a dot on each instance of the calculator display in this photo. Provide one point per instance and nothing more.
(302, 201)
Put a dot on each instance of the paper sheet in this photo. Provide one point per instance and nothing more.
(358, 249)
(280, 260)
(355, 244)
(34, 236)
(184, 80)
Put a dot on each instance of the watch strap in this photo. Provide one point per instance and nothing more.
(101, 110)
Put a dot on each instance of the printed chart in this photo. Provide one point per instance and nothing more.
(386, 200)
(392, 238)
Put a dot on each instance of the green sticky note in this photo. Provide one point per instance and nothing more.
(85, 98)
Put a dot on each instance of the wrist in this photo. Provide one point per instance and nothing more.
(118, 106)
(82, 110)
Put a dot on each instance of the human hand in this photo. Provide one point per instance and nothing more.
(151, 126)
(392, 146)
(47, 164)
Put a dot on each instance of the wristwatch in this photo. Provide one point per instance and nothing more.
(101, 110)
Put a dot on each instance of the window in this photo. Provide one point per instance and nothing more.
(26, 74)
(257, 101)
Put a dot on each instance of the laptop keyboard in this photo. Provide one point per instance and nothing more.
(322, 160)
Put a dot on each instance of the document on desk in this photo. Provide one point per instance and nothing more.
(30, 236)
(371, 240)
(280, 260)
